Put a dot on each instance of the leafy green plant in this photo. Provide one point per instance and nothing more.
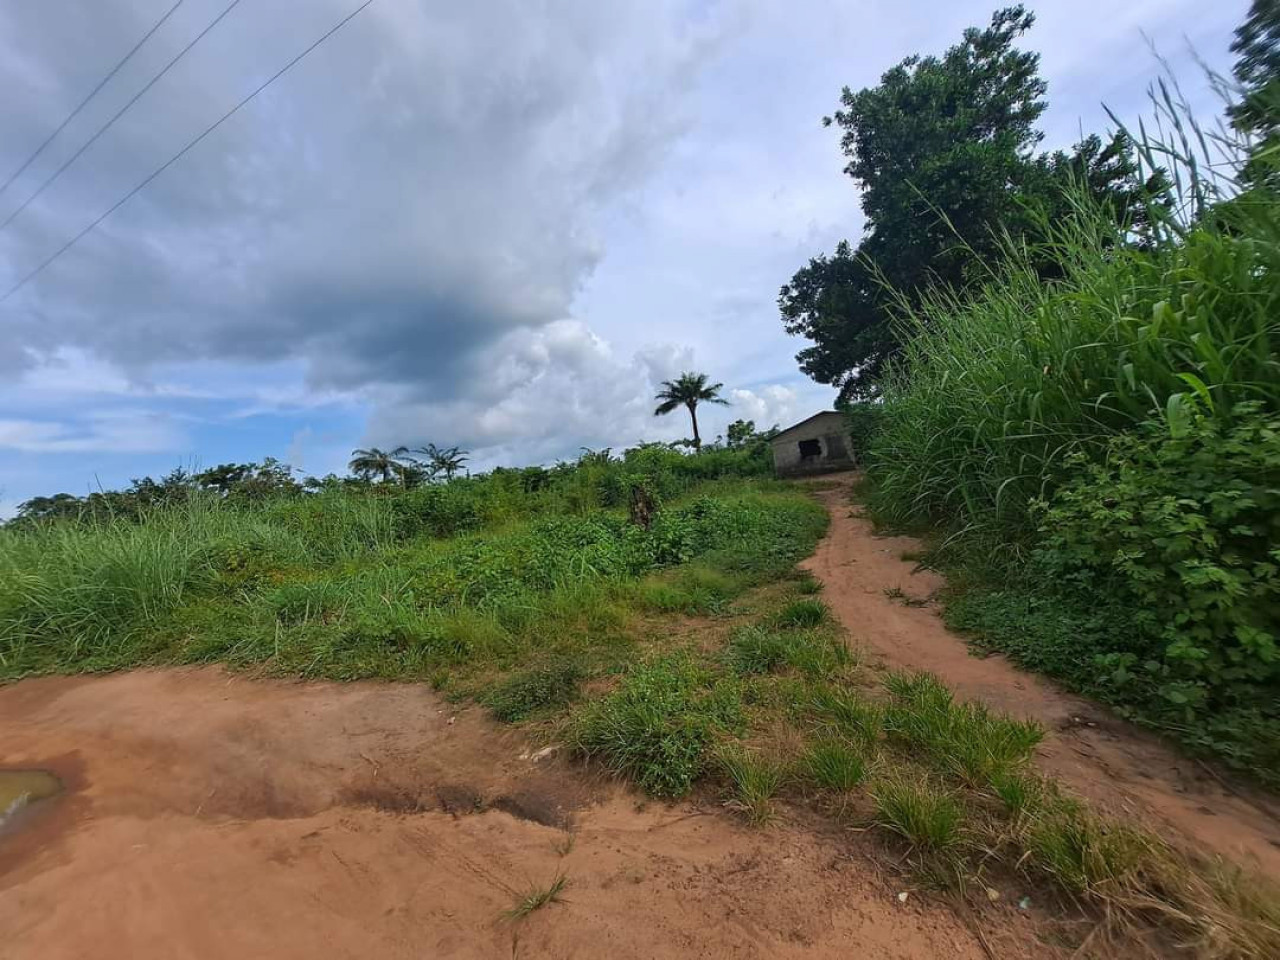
(1184, 525)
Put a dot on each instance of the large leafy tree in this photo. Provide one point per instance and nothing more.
(1257, 72)
(943, 150)
(688, 390)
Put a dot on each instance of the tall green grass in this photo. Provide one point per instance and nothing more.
(996, 391)
(334, 586)
(1098, 450)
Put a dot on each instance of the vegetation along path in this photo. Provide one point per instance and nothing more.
(884, 600)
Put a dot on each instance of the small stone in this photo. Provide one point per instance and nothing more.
(993, 894)
(902, 897)
(1024, 903)
(545, 752)
(451, 719)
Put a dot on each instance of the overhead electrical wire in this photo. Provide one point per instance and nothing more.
(85, 102)
(118, 114)
(177, 156)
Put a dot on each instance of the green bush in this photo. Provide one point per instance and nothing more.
(1186, 527)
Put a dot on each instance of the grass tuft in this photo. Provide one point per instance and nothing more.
(928, 817)
(757, 650)
(656, 727)
(805, 613)
(756, 780)
(531, 691)
(535, 898)
(966, 741)
(835, 765)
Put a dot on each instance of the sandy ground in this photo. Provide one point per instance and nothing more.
(1100, 756)
(214, 816)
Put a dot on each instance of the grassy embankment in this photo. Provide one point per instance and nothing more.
(1097, 456)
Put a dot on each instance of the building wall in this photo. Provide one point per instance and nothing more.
(835, 448)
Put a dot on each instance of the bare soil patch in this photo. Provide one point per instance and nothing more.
(208, 815)
(1117, 766)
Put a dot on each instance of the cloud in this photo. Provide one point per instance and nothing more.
(545, 394)
(117, 431)
(424, 185)
(769, 406)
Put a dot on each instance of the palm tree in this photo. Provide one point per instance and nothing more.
(689, 390)
(377, 462)
(446, 460)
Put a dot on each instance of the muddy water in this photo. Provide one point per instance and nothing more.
(18, 788)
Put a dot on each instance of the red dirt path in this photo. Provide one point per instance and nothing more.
(1100, 756)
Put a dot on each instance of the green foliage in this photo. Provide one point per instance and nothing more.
(966, 741)
(358, 581)
(755, 778)
(800, 614)
(928, 817)
(1257, 73)
(550, 686)
(941, 150)
(757, 650)
(657, 726)
(1185, 527)
(688, 391)
(834, 764)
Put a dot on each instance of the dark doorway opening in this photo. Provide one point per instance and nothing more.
(810, 449)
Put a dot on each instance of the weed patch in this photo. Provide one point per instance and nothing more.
(657, 726)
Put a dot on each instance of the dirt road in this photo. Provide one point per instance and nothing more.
(1098, 755)
(212, 816)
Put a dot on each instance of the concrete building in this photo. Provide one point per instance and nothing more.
(816, 445)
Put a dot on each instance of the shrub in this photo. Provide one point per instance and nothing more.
(1184, 527)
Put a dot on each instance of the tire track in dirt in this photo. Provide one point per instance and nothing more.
(1114, 764)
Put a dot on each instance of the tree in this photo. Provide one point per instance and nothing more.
(688, 390)
(377, 462)
(942, 149)
(443, 460)
(1257, 71)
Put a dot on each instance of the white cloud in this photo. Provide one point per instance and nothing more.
(116, 431)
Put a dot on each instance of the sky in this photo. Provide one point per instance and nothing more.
(496, 224)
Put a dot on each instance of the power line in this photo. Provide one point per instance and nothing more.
(178, 156)
(120, 113)
(85, 102)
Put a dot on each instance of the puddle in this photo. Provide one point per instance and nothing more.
(18, 788)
